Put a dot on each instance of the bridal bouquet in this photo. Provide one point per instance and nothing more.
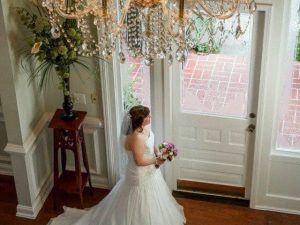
(168, 151)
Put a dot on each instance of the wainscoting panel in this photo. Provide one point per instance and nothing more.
(33, 161)
(39, 159)
(284, 184)
(95, 147)
(5, 162)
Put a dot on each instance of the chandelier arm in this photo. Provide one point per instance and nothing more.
(181, 9)
(74, 16)
(123, 14)
(164, 7)
(222, 16)
(104, 8)
(198, 14)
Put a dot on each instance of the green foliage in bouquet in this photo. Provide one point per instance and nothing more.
(48, 48)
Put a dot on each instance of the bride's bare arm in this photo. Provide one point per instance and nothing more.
(138, 148)
(156, 151)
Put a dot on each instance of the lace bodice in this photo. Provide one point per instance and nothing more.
(140, 174)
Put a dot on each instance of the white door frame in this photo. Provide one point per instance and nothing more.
(111, 88)
(169, 170)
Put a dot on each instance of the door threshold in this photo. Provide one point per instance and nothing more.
(209, 197)
(211, 188)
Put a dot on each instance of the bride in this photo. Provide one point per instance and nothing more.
(141, 197)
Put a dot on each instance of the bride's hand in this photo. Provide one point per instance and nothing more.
(159, 161)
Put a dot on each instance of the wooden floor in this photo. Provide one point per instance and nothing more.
(197, 212)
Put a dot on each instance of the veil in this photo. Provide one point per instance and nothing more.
(126, 129)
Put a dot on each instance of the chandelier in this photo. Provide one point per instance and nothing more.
(151, 29)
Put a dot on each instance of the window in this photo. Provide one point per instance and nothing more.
(218, 83)
(289, 125)
(136, 80)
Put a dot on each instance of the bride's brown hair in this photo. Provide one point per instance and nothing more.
(138, 114)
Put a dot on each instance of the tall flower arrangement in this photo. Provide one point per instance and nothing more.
(52, 49)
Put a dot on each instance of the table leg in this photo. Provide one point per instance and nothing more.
(56, 172)
(85, 160)
(78, 171)
(63, 159)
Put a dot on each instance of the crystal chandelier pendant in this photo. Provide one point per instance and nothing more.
(134, 39)
(252, 6)
(107, 54)
(84, 46)
(122, 57)
(181, 55)
(161, 54)
(170, 59)
(238, 32)
(146, 33)
(148, 61)
(148, 28)
(221, 26)
(55, 31)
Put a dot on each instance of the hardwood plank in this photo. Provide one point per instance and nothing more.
(197, 212)
(210, 188)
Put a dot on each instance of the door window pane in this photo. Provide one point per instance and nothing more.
(218, 83)
(289, 124)
(136, 82)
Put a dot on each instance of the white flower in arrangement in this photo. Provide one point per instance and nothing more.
(164, 157)
(36, 47)
(168, 151)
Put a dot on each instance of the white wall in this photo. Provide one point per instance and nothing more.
(30, 105)
(26, 114)
(5, 162)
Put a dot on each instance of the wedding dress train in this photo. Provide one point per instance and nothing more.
(141, 197)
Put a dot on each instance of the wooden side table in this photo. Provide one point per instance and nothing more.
(68, 135)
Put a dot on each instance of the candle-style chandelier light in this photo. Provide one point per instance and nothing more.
(152, 29)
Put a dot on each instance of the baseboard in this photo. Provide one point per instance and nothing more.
(275, 209)
(211, 198)
(210, 188)
(99, 182)
(6, 169)
(26, 212)
(32, 212)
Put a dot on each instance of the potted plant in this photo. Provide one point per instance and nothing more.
(52, 49)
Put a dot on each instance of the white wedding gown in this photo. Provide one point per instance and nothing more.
(141, 197)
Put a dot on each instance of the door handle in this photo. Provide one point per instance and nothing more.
(251, 128)
(252, 115)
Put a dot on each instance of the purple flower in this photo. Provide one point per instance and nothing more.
(168, 149)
